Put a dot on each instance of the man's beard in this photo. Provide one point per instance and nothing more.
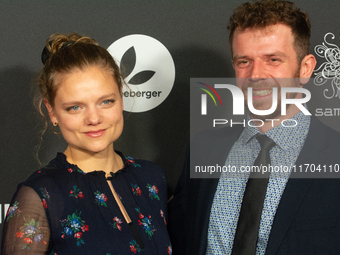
(258, 105)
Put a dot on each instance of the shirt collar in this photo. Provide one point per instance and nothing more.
(287, 136)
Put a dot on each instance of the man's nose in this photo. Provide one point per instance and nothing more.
(258, 70)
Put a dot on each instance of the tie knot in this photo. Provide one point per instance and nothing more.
(265, 142)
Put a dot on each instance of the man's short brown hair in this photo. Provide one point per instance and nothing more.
(263, 13)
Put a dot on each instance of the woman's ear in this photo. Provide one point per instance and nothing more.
(308, 64)
(50, 110)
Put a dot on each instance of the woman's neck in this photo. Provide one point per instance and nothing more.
(107, 161)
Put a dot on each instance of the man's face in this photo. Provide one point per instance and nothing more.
(263, 59)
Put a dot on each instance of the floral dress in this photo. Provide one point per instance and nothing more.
(62, 210)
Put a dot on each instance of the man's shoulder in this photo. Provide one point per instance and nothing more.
(321, 147)
(322, 131)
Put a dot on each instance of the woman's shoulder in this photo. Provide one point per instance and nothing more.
(54, 170)
(142, 167)
(142, 164)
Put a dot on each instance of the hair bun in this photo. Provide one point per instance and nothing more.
(57, 42)
(45, 55)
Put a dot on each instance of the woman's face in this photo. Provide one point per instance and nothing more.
(89, 109)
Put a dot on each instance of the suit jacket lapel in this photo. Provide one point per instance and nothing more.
(296, 188)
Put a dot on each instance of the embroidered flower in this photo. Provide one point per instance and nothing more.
(28, 240)
(13, 211)
(45, 194)
(145, 221)
(164, 219)
(134, 247)
(170, 250)
(101, 198)
(131, 161)
(85, 228)
(74, 224)
(80, 171)
(153, 191)
(31, 231)
(116, 223)
(44, 204)
(136, 190)
(38, 238)
(78, 235)
(68, 231)
(20, 234)
(70, 170)
(76, 192)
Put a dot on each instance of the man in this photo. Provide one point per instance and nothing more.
(269, 41)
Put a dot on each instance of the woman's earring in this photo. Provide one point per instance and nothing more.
(56, 124)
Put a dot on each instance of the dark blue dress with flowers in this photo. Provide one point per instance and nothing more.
(62, 210)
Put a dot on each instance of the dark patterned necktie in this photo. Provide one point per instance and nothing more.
(250, 215)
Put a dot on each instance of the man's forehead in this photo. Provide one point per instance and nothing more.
(273, 40)
(278, 34)
(263, 30)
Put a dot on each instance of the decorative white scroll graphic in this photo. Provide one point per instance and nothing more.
(329, 70)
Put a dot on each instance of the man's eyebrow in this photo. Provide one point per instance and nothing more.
(277, 53)
(239, 57)
(272, 54)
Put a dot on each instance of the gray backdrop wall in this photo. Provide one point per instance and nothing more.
(195, 34)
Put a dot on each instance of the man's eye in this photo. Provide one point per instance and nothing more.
(275, 60)
(242, 63)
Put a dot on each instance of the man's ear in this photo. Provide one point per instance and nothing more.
(50, 110)
(308, 64)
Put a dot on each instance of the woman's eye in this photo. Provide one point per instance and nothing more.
(73, 108)
(108, 102)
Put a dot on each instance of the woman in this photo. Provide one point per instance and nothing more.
(90, 199)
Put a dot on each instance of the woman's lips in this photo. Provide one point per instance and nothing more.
(96, 133)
